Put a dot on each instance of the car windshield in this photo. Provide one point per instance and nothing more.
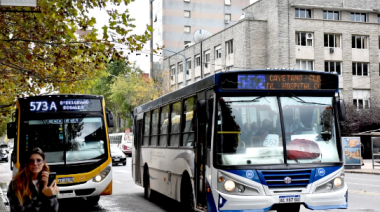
(249, 130)
(74, 139)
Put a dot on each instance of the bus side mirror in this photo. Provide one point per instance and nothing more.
(342, 111)
(204, 110)
(11, 130)
(110, 121)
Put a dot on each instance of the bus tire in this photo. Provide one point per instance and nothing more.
(148, 192)
(187, 195)
(92, 201)
(289, 207)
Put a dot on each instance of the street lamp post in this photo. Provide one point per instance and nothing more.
(185, 63)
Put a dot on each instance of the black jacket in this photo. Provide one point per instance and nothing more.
(38, 203)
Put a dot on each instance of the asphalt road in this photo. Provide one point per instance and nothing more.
(364, 195)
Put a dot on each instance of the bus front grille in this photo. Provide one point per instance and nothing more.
(286, 178)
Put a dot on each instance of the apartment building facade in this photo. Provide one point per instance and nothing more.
(175, 21)
(319, 35)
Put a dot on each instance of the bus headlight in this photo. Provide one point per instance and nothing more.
(338, 182)
(229, 185)
(102, 175)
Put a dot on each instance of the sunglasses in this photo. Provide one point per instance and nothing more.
(38, 161)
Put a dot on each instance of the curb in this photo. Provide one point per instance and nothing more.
(361, 172)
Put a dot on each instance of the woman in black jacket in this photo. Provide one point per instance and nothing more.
(28, 191)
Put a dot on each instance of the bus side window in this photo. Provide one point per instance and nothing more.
(153, 141)
(188, 125)
(146, 128)
(175, 117)
(164, 123)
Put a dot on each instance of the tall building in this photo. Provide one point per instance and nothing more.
(175, 21)
(323, 35)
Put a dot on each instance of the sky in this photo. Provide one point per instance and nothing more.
(139, 10)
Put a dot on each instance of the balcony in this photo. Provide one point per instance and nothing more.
(229, 60)
(360, 55)
(180, 77)
(333, 54)
(197, 72)
(361, 82)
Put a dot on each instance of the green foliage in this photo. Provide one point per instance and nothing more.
(40, 52)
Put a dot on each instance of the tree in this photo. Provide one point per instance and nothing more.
(39, 51)
(102, 86)
(360, 120)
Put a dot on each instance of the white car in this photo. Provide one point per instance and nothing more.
(118, 156)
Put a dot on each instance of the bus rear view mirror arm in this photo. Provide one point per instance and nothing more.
(204, 109)
(11, 130)
(342, 111)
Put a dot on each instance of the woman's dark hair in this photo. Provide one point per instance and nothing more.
(23, 178)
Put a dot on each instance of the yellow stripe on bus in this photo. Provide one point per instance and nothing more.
(229, 132)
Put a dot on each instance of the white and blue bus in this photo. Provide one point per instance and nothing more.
(254, 140)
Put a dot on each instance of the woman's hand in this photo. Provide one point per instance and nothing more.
(48, 190)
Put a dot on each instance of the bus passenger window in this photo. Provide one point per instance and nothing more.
(146, 128)
(175, 116)
(153, 140)
(164, 125)
(188, 125)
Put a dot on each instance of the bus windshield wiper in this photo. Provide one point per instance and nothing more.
(252, 100)
(304, 102)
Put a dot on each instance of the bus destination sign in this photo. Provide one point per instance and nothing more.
(62, 105)
(279, 82)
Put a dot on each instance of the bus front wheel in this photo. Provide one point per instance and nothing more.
(148, 192)
(289, 207)
(187, 196)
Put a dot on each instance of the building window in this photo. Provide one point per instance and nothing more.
(218, 52)
(333, 67)
(186, 42)
(359, 17)
(197, 61)
(304, 39)
(332, 41)
(360, 69)
(305, 65)
(359, 42)
(188, 64)
(331, 15)
(187, 14)
(207, 59)
(303, 13)
(180, 67)
(361, 103)
(229, 47)
(172, 72)
(227, 2)
(227, 17)
(187, 29)
(378, 18)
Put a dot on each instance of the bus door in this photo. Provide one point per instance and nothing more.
(138, 143)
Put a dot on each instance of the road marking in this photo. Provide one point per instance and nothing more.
(364, 193)
(117, 181)
(349, 178)
(362, 184)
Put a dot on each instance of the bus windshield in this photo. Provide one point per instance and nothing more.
(249, 130)
(76, 139)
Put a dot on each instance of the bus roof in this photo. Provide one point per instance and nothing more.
(216, 79)
(64, 96)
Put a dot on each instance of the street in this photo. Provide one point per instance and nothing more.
(364, 194)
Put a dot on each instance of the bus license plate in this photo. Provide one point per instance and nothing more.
(66, 180)
(290, 199)
(116, 159)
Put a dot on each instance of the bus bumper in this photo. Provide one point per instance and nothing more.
(231, 203)
(90, 188)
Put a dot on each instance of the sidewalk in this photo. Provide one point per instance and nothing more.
(366, 169)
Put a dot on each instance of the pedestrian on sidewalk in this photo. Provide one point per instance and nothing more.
(362, 149)
(28, 191)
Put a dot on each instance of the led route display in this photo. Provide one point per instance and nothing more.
(236, 81)
(55, 105)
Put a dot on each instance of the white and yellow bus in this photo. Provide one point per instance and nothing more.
(72, 132)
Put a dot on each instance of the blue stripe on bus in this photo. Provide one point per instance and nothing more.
(326, 207)
(324, 171)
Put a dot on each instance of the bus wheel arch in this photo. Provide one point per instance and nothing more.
(187, 194)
